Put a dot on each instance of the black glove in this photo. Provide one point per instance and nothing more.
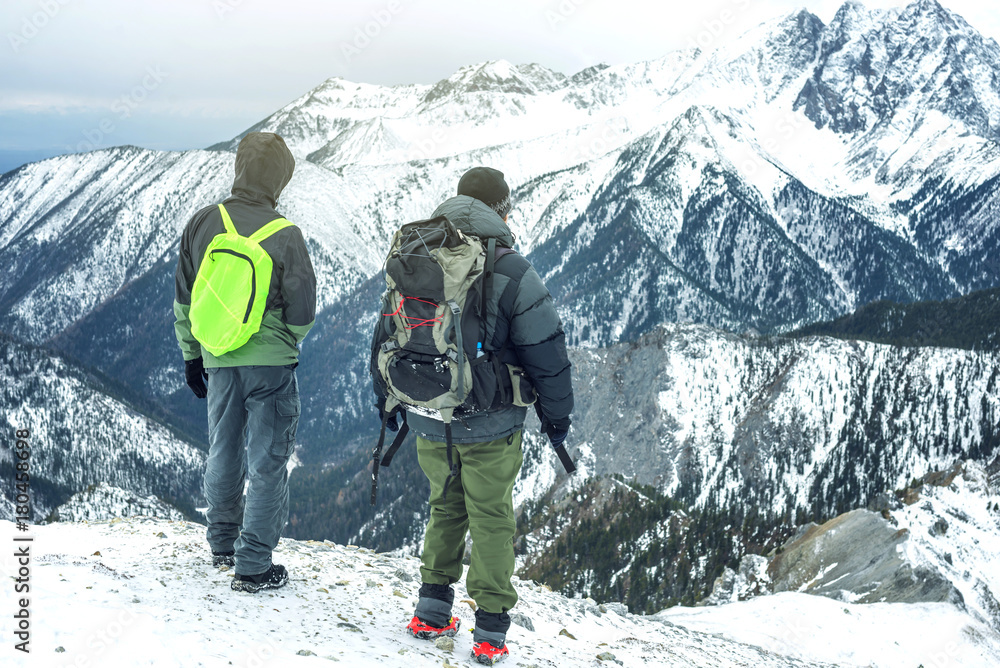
(195, 375)
(557, 438)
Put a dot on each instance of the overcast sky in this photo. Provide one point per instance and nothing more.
(77, 74)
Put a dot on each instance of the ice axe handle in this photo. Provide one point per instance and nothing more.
(564, 457)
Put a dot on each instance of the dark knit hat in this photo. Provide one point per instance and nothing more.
(488, 186)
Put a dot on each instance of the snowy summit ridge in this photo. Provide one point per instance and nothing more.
(142, 591)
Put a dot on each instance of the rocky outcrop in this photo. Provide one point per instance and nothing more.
(856, 558)
(935, 540)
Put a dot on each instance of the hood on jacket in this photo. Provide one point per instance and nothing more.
(474, 217)
(264, 166)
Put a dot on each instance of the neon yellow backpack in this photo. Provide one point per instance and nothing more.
(230, 290)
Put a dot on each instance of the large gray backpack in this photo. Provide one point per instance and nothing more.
(437, 279)
(429, 271)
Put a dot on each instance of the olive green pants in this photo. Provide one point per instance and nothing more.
(478, 501)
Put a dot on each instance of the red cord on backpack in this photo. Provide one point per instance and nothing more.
(421, 322)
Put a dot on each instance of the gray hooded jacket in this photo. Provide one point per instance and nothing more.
(264, 166)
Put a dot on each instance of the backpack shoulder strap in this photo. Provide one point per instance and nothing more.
(227, 222)
(487, 287)
(261, 234)
(274, 226)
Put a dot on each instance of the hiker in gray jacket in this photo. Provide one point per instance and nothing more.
(253, 394)
(523, 329)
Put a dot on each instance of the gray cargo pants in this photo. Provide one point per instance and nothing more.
(253, 412)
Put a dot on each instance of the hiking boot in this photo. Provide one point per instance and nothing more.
(220, 559)
(274, 577)
(489, 638)
(485, 653)
(419, 629)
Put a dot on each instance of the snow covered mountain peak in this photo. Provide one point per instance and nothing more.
(932, 11)
(480, 84)
(852, 15)
(882, 67)
(498, 76)
(901, 84)
(801, 21)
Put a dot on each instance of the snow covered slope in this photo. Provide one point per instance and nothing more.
(943, 539)
(877, 635)
(945, 530)
(77, 230)
(105, 502)
(817, 425)
(141, 591)
(83, 432)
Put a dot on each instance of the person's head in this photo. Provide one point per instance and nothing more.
(264, 166)
(488, 186)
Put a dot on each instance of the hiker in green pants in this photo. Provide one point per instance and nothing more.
(478, 499)
(473, 460)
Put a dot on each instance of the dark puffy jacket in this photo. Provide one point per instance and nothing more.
(520, 312)
(264, 166)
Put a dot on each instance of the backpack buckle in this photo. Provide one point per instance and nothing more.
(389, 346)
